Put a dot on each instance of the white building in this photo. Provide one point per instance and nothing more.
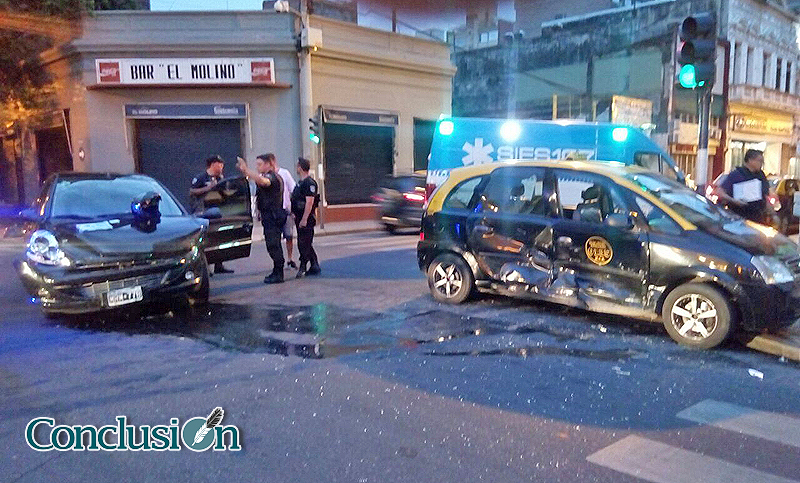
(763, 101)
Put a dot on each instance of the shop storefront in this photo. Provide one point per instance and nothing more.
(769, 131)
(143, 95)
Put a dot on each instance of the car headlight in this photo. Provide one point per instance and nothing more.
(43, 248)
(772, 270)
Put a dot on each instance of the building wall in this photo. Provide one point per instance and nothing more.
(97, 117)
(364, 68)
(531, 13)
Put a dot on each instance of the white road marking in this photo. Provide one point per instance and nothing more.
(661, 463)
(374, 244)
(761, 424)
(366, 241)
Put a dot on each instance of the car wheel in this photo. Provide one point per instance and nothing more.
(698, 315)
(200, 295)
(391, 229)
(450, 279)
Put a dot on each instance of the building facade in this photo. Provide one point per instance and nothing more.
(158, 92)
(764, 105)
(582, 57)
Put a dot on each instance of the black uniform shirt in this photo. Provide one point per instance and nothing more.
(305, 187)
(201, 181)
(269, 199)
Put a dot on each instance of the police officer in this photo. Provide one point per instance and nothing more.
(269, 201)
(202, 184)
(305, 198)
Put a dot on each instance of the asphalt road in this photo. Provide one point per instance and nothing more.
(359, 376)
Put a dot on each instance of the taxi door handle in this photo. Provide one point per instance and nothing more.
(564, 241)
(484, 229)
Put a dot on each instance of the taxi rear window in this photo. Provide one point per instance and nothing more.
(464, 195)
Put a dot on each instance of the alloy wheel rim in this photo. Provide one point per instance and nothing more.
(447, 279)
(694, 316)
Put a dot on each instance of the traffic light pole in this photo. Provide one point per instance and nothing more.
(703, 110)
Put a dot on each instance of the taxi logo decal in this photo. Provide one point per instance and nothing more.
(598, 250)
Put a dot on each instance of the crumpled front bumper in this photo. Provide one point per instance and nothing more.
(73, 291)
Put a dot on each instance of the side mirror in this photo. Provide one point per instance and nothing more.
(618, 220)
(29, 215)
(211, 214)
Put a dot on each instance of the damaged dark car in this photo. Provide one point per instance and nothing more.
(107, 241)
(608, 238)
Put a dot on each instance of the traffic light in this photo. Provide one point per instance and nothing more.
(313, 128)
(697, 52)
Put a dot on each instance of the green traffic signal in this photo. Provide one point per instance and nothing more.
(687, 76)
(314, 138)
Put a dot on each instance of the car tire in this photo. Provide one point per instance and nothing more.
(200, 296)
(390, 229)
(450, 279)
(680, 316)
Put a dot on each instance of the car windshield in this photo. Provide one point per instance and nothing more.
(690, 205)
(100, 198)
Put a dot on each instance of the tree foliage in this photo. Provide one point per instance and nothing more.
(25, 86)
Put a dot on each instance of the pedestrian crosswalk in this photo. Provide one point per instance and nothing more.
(369, 243)
(658, 462)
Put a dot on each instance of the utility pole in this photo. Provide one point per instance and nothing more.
(703, 110)
(306, 98)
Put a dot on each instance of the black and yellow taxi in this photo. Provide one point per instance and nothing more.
(609, 238)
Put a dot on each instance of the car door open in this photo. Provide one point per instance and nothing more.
(230, 227)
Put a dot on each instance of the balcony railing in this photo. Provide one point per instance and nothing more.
(765, 97)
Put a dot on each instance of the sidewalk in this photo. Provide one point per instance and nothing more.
(336, 228)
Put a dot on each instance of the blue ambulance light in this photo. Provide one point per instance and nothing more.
(620, 134)
(510, 131)
(446, 128)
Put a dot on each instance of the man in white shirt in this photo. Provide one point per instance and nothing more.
(288, 187)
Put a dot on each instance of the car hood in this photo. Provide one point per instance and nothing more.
(754, 238)
(84, 242)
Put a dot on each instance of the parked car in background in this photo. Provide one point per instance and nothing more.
(102, 241)
(401, 199)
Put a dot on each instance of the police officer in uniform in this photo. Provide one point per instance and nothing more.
(269, 201)
(202, 184)
(305, 198)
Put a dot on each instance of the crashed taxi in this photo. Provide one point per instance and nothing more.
(608, 238)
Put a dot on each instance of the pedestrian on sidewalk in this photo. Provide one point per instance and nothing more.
(305, 199)
(202, 184)
(269, 201)
(288, 227)
(749, 202)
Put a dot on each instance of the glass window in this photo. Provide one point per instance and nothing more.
(98, 198)
(461, 197)
(657, 220)
(647, 160)
(690, 205)
(515, 190)
(587, 197)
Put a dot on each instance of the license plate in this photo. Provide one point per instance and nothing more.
(124, 296)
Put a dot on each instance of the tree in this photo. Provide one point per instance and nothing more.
(25, 86)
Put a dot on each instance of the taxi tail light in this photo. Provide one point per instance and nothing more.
(429, 189)
(415, 197)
